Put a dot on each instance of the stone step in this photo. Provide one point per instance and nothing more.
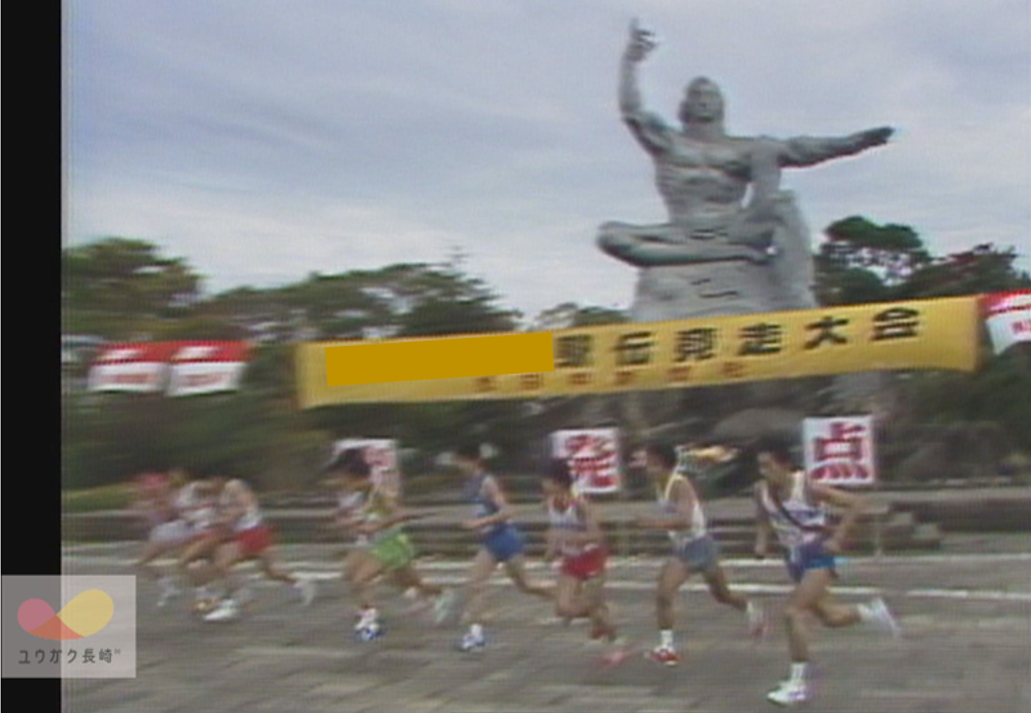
(927, 536)
(976, 515)
(315, 525)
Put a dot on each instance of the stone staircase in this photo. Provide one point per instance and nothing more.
(910, 520)
(883, 529)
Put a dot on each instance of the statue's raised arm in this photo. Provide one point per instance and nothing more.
(808, 150)
(647, 128)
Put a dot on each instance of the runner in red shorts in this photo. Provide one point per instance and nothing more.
(575, 534)
(245, 536)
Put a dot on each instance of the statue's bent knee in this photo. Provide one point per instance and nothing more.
(613, 239)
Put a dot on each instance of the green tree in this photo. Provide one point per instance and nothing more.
(571, 314)
(862, 262)
(596, 316)
(120, 287)
(983, 269)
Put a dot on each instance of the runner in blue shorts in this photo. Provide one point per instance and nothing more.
(501, 542)
(788, 504)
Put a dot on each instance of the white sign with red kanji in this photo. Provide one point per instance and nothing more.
(137, 367)
(180, 368)
(380, 454)
(840, 450)
(207, 367)
(593, 457)
(1008, 316)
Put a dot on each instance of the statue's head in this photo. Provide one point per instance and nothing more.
(703, 102)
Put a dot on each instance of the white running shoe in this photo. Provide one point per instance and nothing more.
(368, 619)
(168, 591)
(369, 633)
(883, 619)
(789, 693)
(666, 655)
(227, 610)
(306, 588)
(470, 642)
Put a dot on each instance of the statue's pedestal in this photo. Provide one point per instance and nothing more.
(699, 291)
(703, 290)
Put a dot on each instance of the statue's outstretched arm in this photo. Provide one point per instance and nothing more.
(808, 150)
(649, 130)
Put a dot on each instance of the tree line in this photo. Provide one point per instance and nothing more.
(123, 289)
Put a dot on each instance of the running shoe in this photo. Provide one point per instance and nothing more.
(366, 619)
(369, 632)
(665, 655)
(306, 588)
(168, 591)
(789, 693)
(227, 610)
(471, 642)
(883, 619)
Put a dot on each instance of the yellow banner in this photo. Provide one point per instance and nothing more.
(922, 334)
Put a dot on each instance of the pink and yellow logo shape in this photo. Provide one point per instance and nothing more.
(85, 615)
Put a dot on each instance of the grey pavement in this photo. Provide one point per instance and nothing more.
(966, 616)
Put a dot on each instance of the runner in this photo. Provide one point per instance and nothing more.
(791, 506)
(244, 536)
(501, 543)
(694, 550)
(341, 478)
(576, 535)
(197, 506)
(155, 502)
(382, 548)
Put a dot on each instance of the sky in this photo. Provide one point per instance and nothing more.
(264, 141)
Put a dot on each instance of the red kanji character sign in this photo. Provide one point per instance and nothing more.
(593, 457)
(840, 451)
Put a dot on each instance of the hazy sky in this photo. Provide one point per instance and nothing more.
(266, 140)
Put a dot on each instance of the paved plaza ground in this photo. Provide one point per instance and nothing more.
(966, 615)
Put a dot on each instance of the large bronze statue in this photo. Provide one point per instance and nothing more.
(717, 255)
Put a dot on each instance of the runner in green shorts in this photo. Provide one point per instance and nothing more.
(393, 550)
(383, 547)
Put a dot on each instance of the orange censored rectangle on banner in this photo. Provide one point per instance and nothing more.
(444, 358)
